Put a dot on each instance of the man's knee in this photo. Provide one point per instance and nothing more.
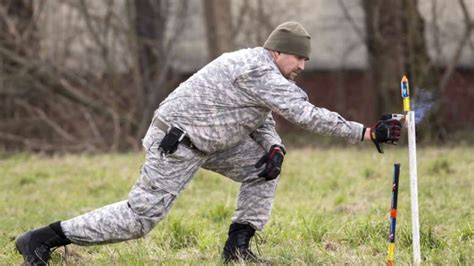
(149, 206)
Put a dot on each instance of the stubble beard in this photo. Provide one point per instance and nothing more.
(293, 75)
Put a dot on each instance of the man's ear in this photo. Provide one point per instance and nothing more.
(275, 54)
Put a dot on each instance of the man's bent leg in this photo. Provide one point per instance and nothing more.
(122, 220)
(254, 206)
(256, 195)
(128, 219)
(162, 179)
(109, 224)
(255, 198)
(255, 202)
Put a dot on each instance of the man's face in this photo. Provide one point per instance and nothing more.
(290, 65)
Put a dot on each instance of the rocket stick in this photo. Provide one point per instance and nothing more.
(410, 121)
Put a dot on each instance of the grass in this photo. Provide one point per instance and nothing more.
(331, 208)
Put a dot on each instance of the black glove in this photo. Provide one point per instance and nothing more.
(386, 130)
(273, 160)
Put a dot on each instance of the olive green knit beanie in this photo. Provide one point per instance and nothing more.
(291, 38)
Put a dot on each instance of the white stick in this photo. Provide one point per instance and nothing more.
(415, 223)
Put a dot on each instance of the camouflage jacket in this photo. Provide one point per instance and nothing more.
(234, 96)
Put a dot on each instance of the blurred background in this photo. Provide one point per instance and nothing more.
(86, 76)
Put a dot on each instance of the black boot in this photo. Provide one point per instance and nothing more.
(237, 246)
(36, 245)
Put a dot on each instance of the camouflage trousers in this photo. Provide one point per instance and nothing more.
(162, 179)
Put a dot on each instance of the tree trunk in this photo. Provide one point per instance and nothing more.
(418, 65)
(383, 32)
(17, 36)
(219, 27)
(150, 24)
(16, 29)
(422, 74)
(395, 38)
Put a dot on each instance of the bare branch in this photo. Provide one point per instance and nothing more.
(52, 124)
(244, 9)
(469, 25)
(436, 32)
(465, 12)
(30, 144)
(94, 33)
(352, 22)
(92, 124)
(180, 24)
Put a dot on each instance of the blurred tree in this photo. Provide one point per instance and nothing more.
(153, 53)
(93, 82)
(87, 100)
(17, 41)
(395, 38)
(219, 28)
(397, 46)
(47, 101)
(418, 66)
(436, 123)
(417, 63)
(150, 23)
(17, 28)
(384, 45)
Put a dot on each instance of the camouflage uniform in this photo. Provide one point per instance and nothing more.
(225, 108)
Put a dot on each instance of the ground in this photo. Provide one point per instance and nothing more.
(332, 207)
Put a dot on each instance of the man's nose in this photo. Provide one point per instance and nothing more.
(301, 64)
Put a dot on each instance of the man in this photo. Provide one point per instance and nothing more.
(219, 119)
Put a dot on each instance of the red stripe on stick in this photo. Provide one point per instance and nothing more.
(393, 213)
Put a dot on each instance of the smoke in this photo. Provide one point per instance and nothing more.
(422, 104)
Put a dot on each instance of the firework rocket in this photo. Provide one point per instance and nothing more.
(393, 215)
(405, 94)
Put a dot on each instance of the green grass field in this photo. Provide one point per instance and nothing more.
(331, 208)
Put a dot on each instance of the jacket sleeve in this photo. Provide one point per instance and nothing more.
(271, 90)
(266, 135)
